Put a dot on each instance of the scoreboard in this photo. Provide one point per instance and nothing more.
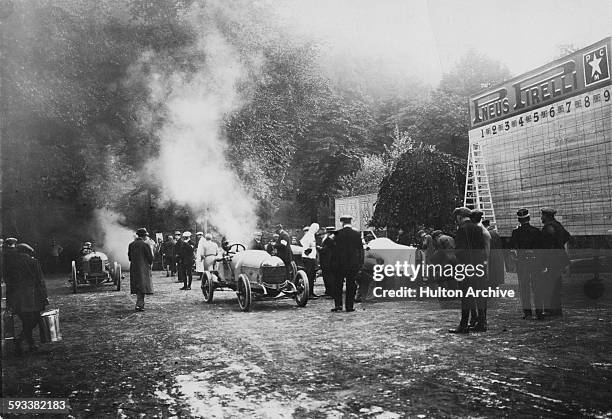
(545, 138)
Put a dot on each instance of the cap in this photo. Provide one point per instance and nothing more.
(330, 228)
(421, 233)
(548, 211)
(306, 228)
(187, 234)
(462, 211)
(87, 244)
(199, 233)
(486, 223)
(177, 233)
(346, 217)
(278, 226)
(141, 232)
(522, 214)
(11, 241)
(436, 233)
(477, 212)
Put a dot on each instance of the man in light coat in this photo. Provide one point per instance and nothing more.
(141, 259)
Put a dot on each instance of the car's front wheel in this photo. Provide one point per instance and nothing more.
(243, 290)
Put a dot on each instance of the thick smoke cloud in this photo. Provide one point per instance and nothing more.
(111, 237)
(191, 167)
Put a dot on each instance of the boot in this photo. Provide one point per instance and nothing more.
(463, 324)
(527, 314)
(481, 323)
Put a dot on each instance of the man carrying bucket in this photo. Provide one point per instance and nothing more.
(26, 293)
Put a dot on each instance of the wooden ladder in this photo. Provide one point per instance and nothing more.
(477, 190)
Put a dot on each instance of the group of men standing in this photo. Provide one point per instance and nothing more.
(541, 257)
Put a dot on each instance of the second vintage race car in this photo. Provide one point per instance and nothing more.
(255, 274)
(94, 268)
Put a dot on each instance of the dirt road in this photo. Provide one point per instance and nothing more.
(182, 357)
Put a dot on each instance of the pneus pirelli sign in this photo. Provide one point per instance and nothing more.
(582, 71)
(546, 140)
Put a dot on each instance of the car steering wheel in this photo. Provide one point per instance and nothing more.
(237, 246)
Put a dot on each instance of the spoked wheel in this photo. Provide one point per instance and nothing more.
(117, 274)
(244, 293)
(294, 270)
(208, 287)
(73, 277)
(303, 288)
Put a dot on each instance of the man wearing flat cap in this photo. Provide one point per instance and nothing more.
(555, 248)
(141, 258)
(469, 250)
(346, 261)
(185, 257)
(524, 242)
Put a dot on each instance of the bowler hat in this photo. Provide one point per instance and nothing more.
(141, 232)
(522, 213)
(548, 211)
(462, 211)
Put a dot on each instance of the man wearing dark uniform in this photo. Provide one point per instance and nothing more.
(525, 241)
(325, 254)
(141, 258)
(283, 248)
(555, 239)
(347, 260)
(185, 258)
(469, 250)
(167, 252)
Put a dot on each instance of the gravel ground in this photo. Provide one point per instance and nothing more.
(185, 358)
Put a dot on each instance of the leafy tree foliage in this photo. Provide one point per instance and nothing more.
(424, 188)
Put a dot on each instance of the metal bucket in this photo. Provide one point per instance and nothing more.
(49, 326)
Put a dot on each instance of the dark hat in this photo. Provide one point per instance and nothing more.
(330, 228)
(141, 232)
(522, 213)
(462, 211)
(436, 233)
(24, 248)
(346, 217)
(548, 211)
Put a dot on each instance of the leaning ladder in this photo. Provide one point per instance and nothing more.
(477, 190)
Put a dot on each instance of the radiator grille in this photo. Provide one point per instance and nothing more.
(95, 265)
(274, 274)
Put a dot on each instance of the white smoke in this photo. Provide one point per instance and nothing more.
(192, 168)
(111, 237)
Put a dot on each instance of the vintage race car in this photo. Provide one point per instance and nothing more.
(255, 274)
(94, 269)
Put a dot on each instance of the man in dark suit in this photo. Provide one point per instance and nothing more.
(555, 248)
(525, 241)
(283, 248)
(469, 250)
(346, 261)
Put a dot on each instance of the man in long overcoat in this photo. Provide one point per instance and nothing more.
(347, 260)
(26, 293)
(141, 259)
(469, 250)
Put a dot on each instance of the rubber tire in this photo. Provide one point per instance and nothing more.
(244, 287)
(117, 274)
(73, 276)
(301, 280)
(208, 287)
